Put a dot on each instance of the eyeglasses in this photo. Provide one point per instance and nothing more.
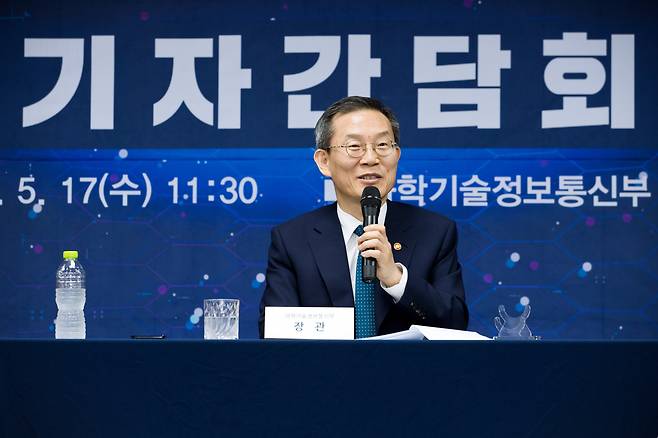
(358, 150)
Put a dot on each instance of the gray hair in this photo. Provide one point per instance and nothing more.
(324, 129)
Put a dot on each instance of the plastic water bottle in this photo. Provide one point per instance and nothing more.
(70, 298)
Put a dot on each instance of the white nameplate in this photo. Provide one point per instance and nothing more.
(309, 323)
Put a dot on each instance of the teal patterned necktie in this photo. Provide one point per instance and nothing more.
(364, 300)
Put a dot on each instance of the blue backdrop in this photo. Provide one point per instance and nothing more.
(164, 139)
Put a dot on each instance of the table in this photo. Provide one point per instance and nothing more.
(129, 388)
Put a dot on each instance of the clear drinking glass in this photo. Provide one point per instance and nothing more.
(221, 318)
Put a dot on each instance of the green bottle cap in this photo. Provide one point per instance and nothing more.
(70, 254)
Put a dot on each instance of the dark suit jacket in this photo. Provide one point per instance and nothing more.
(308, 266)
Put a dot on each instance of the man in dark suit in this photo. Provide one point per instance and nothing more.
(314, 259)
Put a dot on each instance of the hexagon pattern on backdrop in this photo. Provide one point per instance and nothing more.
(587, 272)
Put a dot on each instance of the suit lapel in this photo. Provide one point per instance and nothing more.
(325, 239)
(398, 230)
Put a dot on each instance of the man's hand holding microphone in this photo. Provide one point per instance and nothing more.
(373, 244)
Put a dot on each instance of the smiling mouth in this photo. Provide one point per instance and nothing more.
(369, 177)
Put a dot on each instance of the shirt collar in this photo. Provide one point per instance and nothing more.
(348, 223)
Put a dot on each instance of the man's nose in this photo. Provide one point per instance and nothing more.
(370, 157)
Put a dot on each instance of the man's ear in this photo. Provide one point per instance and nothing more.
(321, 158)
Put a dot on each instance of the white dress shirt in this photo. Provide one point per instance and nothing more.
(348, 224)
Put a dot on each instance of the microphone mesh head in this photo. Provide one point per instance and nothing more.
(371, 196)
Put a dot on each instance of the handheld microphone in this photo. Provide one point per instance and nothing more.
(371, 202)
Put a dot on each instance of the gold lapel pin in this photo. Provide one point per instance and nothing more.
(397, 246)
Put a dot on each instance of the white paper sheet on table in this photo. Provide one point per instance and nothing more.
(419, 332)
